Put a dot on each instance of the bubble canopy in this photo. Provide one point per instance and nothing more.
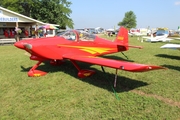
(75, 34)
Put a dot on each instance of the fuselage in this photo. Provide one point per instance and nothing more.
(56, 47)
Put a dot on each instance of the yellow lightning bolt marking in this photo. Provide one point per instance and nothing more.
(91, 50)
(94, 50)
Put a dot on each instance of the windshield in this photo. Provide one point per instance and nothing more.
(162, 32)
(71, 35)
(85, 36)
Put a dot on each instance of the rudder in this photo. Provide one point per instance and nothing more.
(122, 38)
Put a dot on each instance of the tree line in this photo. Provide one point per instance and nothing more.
(48, 11)
(55, 12)
(129, 20)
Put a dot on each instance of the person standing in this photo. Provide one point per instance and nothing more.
(6, 34)
(26, 33)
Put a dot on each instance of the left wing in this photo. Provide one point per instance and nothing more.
(165, 39)
(117, 64)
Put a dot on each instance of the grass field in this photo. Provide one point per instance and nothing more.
(61, 95)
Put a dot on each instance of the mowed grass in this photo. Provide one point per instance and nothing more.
(62, 95)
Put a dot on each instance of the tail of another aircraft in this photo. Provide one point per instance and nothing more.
(122, 39)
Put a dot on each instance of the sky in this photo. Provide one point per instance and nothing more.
(108, 13)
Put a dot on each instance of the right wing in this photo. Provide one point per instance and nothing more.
(171, 46)
(117, 64)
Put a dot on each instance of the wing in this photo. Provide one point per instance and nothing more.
(122, 65)
(146, 37)
(171, 46)
(165, 39)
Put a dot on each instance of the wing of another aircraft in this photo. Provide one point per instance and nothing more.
(165, 39)
(157, 39)
(146, 37)
(171, 46)
(117, 64)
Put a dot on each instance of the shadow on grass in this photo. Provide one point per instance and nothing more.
(114, 57)
(99, 79)
(172, 67)
(168, 56)
(175, 41)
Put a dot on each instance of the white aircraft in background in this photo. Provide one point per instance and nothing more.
(135, 34)
(139, 33)
(161, 36)
(171, 46)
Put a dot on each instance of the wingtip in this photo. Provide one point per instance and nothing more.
(155, 67)
(147, 68)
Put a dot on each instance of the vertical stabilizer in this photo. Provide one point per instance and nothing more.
(122, 39)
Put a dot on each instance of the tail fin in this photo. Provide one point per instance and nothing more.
(122, 39)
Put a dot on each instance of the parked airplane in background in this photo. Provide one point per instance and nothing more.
(135, 34)
(161, 36)
(84, 47)
(91, 30)
(99, 29)
(138, 32)
(111, 30)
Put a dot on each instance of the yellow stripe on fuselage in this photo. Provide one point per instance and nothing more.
(92, 50)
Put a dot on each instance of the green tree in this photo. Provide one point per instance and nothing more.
(10, 4)
(48, 11)
(56, 12)
(129, 20)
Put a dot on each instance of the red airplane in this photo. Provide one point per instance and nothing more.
(81, 46)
